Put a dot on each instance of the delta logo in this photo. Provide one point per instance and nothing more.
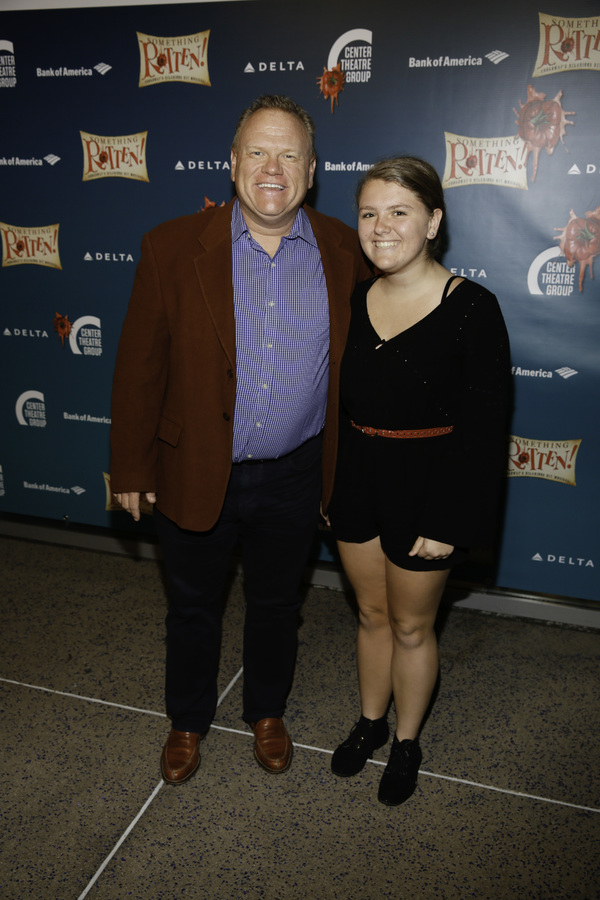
(349, 62)
(564, 560)
(203, 165)
(107, 256)
(36, 246)
(181, 58)
(289, 65)
(114, 157)
(583, 169)
(25, 332)
(567, 44)
(552, 460)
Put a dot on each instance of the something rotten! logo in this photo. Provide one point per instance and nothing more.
(552, 460)
(181, 58)
(36, 246)
(114, 157)
(567, 44)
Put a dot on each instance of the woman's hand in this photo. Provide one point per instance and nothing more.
(428, 549)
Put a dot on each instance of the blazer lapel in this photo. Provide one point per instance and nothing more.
(214, 271)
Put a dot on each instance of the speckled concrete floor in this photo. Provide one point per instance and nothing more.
(508, 802)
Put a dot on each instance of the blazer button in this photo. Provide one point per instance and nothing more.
(226, 416)
(229, 374)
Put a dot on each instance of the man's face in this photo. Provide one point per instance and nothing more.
(272, 170)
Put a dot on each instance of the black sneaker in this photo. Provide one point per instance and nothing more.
(399, 779)
(366, 736)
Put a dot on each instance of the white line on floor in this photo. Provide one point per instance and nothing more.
(122, 839)
(229, 686)
(490, 787)
(148, 801)
(36, 687)
(487, 787)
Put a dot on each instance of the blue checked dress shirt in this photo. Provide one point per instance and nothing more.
(282, 341)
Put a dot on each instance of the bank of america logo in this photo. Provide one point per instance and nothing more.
(78, 490)
(496, 56)
(566, 372)
(52, 159)
(102, 68)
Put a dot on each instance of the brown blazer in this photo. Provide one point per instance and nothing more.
(175, 379)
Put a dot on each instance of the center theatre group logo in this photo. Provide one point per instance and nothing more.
(84, 334)
(8, 72)
(552, 460)
(354, 65)
(30, 409)
(173, 58)
(114, 157)
(36, 246)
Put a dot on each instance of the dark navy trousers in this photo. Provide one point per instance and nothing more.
(271, 509)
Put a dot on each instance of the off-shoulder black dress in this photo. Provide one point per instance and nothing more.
(450, 368)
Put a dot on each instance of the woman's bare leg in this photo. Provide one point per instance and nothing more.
(365, 566)
(413, 599)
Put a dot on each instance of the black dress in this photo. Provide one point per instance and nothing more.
(450, 368)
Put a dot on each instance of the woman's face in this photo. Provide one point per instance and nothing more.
(394, 226)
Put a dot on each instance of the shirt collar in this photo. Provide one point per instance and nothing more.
(300, 229)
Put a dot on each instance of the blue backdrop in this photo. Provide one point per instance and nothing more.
(115, 119)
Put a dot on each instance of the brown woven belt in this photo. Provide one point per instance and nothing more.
(406, 433)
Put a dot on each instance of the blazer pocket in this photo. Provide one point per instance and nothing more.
(168, 431)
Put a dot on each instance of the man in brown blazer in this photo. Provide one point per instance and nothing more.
(227, 370)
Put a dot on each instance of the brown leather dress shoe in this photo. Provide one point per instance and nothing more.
(272, 745)
(180, 756)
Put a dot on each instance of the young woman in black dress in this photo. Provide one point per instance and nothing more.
(424, 391)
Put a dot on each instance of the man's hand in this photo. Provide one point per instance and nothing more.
(131, 502)
(428, 549)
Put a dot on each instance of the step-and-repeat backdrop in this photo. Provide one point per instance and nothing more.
(114, 119)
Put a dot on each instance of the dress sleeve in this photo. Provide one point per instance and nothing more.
(139, 381)
(463, 495)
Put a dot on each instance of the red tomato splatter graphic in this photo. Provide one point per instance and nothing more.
(331, 83)
(208, 204)
(541, 123)
(62, 326)
(580, 241)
